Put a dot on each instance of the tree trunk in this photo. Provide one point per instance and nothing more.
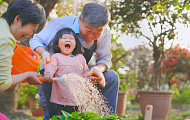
(8, 98)
(114, 61)
(158, 59)
(156, 75)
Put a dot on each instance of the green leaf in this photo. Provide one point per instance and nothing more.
(38, 68)
(179, 11)
(175, 2)
(54, 118)
(60, 117)
(113, 116)
(129, 12)
(151, 18)
(154, 8)
(185, 1)
(66, 115)
(177, 92)
(187, 7)
(159, 7)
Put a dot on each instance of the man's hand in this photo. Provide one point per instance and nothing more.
(46, 58)
(33, 78)
(96, 75)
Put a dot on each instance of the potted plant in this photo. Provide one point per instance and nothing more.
(127, 86)
(128, 80)
(161, 21)
(28, 93)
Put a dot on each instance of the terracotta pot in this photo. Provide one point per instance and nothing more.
(160, 100)
(121, 103)
(35, 111)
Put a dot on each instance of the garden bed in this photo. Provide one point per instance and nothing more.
(177, 112)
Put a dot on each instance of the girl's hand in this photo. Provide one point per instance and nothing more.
(48, 78)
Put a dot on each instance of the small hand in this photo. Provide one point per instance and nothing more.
(48, 78)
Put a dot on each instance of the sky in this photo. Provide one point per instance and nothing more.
(130, 42)
(182, 38)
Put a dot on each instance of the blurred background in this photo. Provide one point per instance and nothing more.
(150, 49)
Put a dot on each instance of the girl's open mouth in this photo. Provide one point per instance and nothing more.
(67, 46)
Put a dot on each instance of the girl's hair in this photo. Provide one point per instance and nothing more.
(59, 34)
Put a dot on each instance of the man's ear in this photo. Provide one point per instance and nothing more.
(79, 19)
(17, 19)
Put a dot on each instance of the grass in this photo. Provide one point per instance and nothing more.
(180, 112)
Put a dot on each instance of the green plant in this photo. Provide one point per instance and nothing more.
(91, 116)
(27, 90)
(176, 65)
(140, 62)
(161, 18)
(183, 96)
(67, 8)
(128, 82)
(186, 114)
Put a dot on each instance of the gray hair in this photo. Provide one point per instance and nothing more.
(95, 14)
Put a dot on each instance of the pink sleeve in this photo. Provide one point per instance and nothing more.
(52, 66)
(85, 66)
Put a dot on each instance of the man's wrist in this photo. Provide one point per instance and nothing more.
(102, 67)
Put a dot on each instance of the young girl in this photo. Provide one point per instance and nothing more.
(67, 59)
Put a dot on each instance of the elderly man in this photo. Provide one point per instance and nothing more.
(92, 31)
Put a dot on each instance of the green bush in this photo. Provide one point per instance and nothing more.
(92, 116)
(183, 97)
(27, 90)
(185, 114)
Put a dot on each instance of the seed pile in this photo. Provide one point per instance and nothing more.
(86, 95)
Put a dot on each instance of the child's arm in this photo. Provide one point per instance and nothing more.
(50, 68)
(85, 66)
(85, 70)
